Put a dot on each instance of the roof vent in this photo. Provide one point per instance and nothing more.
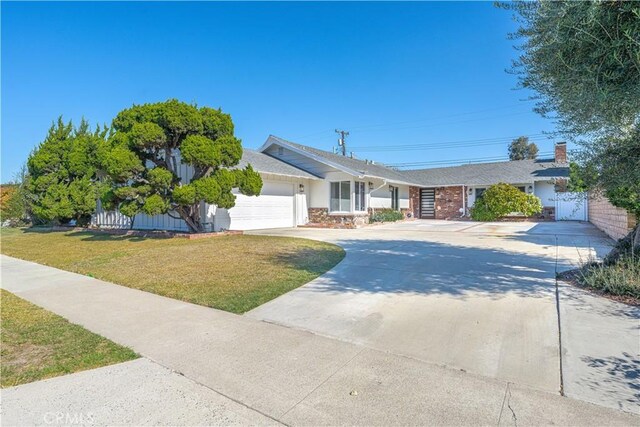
(280, 151)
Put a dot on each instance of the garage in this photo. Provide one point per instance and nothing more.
(274, 208)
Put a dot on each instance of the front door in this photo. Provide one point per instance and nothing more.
(427, 203)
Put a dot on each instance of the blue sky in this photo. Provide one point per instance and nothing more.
(406, 79)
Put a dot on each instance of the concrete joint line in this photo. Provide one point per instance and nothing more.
(215, 391)
(559, 322)
(322, 383)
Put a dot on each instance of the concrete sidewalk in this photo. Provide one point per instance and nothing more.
(129, 393)
(292, 376)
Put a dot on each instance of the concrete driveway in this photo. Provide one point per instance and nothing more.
(475, 296)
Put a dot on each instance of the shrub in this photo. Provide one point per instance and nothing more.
(502, 199)
(386, 215)
(621, 278)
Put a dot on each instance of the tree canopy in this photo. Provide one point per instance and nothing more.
(521, 149)
(62, 173)
(583, 61)
(142, 161)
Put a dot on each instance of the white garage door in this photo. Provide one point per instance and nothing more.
(273, 208)
(571, 207)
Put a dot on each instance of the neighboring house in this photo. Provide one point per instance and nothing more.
(306, 185)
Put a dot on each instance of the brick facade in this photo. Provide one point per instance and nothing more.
(560, 152)
(321, 216)
(615, 222)
(414, 202)
(449, 201)
(548, 213)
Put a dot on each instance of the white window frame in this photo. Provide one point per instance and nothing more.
(395, 197)
(360, 191)
(340, 199)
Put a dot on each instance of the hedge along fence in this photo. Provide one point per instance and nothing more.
(502, 199)
(386, 215)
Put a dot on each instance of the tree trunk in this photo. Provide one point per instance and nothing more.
(191, 218)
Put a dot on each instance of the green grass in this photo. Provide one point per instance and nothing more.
(234, 273)
(37, 344)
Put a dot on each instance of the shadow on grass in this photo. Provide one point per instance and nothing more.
(313, 260)
(100, 236)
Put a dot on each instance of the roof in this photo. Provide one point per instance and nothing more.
(509, 172)
(347, 164)
(266, 164)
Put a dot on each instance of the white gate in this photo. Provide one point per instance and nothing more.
(571, 206)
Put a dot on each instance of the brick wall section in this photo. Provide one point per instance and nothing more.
(615, 222)
(414, 201)
(560, 152)
(448, 202)
(321, 216)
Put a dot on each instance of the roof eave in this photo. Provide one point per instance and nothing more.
(271, 140)
(290, 176)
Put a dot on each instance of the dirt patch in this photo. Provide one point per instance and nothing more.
(28, 354)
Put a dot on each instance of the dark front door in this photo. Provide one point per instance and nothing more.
(427, 203)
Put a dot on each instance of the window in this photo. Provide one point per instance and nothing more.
(340, 196)
(360, 196)
(523, 189)
(479, 192)
(395, 205)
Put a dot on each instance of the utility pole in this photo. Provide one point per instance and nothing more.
(342, 142)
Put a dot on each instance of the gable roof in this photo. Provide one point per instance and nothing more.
(346, 164)
(266, 164)
(509, 172)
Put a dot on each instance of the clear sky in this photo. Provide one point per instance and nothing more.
(406, 79)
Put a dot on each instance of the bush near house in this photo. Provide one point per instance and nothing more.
(502, 199)
(386, 215)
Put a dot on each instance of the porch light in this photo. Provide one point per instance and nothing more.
(530, 189)
(370, 186)
(391, 188)
(470, 191)
(301, 188)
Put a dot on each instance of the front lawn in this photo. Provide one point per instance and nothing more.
(234, 273)
(37, 344)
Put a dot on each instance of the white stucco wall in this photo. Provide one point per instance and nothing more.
(320, 191)
(546, 192)
(380, 197)
(471, 198)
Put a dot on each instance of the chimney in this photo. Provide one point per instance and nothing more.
(560, 152)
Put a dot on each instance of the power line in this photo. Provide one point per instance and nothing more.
(457, 161)
(437, 118)
(426, 119)
(539, 137)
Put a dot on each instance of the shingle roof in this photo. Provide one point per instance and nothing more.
(510, 172)
(267, 164)
(362, 167)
